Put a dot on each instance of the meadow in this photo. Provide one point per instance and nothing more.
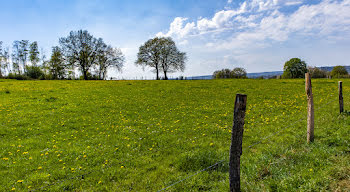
(146, 135)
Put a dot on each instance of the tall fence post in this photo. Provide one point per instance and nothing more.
(236, 142)
(341, 102)
(310, 109)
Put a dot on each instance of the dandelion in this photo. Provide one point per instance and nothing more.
(30, 157)
(122, 166)
(39, 168)
(211, 144)
(24, 153)
(19, 181)
(13, 189)
(99, 182)
(5, 158)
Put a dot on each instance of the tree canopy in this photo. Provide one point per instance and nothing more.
(236, 73)
(82, 50)
(338, 72)
(294, 68)
(161, 54)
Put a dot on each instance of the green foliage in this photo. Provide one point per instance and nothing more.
(236, 73)
(34, 72)
(339, 72)
(317, 72)
(161, 54)
(34, 53)
(294, 68)
(17, 76)
(146, 135)
(57, 66)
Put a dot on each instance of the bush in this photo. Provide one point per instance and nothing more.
(34, 72)
(17, 76)
(339, 72)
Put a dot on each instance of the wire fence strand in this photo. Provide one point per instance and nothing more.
(250, 146)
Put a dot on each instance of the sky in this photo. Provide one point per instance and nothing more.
(258, 35)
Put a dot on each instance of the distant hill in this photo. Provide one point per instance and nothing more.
(261, 74)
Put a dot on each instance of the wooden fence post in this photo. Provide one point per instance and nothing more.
(341, 103)
(236, 142)
(310, 109)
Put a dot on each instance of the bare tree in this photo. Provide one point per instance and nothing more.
(109, 57)
(149, 55)
(80, 49)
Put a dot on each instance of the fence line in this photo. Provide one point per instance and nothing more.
(198, 172)
(250, 146)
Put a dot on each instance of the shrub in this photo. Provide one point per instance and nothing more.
(34, 72)
(17, 76)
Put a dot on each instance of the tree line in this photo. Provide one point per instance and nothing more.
(296, 68)
(83, 53)
(293, 68)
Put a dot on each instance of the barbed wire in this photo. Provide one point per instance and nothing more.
(250, 146)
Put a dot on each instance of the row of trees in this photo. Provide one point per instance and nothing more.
(236, 73)
(296, 68)
(78, 51)
(82, 52)
(293, 68)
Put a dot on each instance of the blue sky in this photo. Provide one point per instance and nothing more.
(259, 35)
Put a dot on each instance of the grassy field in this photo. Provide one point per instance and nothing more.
(146, 135)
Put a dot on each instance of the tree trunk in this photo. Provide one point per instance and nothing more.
(157, 71)
(165, 76)
(85, 74)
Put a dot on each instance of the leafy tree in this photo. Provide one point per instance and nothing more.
(338, 72)
(34, 53)
(222, 74)
(149, 55)
(5, 61)
(81, 49)
(16, 57)
(294, 68)
(23, 53)
(171, 59)
(56, 64)
(239, 73)
(316, 72)
(109, 57)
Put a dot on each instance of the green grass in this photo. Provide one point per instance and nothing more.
(146, 135)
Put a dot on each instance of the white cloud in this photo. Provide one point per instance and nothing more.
(258, 24)
(266, 23)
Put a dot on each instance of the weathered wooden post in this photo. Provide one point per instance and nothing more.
(341, 102)
(236, 142)
(310, 109)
